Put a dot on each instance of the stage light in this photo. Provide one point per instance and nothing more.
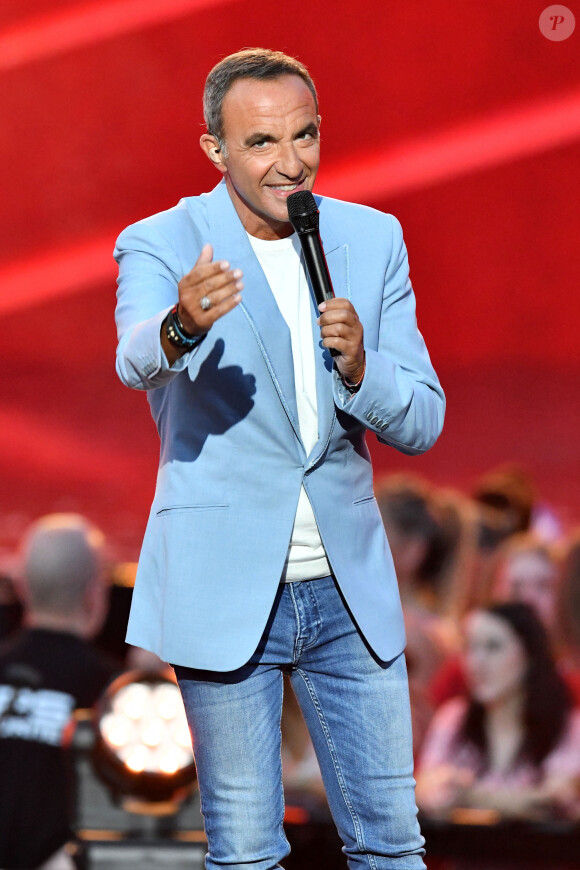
(143, 747)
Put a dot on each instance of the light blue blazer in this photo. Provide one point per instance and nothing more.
(232, 460)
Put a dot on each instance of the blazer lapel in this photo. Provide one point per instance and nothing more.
(231, 243)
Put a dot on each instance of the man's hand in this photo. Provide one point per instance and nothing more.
(215, 282)
(340, 328)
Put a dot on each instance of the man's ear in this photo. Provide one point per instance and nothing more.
(211, 147)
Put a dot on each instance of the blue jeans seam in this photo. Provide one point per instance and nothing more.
(314, 605)
(282, 806)
(297, 650)
(336, 765)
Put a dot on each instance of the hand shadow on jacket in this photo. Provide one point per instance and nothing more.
(210, 403)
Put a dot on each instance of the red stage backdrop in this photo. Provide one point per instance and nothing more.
(462, 119)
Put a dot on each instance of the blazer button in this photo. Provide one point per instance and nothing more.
(369, 416)
(384, 426)
(374, 420)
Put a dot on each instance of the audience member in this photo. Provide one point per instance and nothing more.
(508, 489)
(461, 518)
(46, 671)
(10, 607)
(569, 614)
(423, 540)
(513, 745)
(526, 570)
(490, 532)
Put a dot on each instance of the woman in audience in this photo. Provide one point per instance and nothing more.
(527, 570)
(512, 745)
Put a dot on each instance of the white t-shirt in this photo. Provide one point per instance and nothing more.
(280, 261)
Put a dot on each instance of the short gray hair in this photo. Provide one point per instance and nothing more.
(62, 558)
(250, 63)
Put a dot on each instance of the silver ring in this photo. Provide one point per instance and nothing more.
(205, 303)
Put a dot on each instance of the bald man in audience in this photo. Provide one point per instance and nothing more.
(47, 671)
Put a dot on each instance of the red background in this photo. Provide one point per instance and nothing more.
(105, 130)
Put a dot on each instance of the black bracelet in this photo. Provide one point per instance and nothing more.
(177, 335)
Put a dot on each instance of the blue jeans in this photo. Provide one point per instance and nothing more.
(357, 712)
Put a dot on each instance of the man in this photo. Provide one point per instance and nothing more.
(265, 552)
(47, 671)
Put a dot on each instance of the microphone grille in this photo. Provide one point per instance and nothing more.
(303, 211)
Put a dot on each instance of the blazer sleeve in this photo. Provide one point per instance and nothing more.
(400, 398)
(149, 272)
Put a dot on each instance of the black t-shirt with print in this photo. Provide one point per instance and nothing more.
(44, 676)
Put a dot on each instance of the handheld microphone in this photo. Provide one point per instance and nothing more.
(303, 214)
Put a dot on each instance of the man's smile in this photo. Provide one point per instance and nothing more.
(285, 189)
